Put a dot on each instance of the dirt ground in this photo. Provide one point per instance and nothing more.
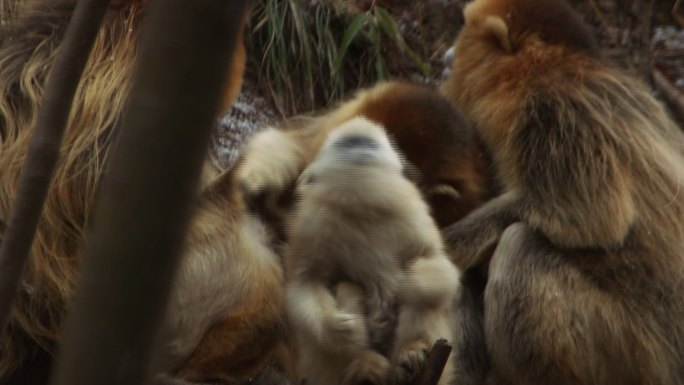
(646, 37)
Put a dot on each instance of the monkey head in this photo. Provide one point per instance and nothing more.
(352, 151)
(507, 39)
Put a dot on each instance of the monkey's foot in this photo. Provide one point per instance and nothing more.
(410, 361)
(368, 368)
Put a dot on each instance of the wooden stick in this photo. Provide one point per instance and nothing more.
(435, 364)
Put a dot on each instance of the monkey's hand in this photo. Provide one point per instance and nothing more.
(343, 331)
(316, 313)
(409, 361)
(271, 162)
(471, 240)
(369, 367)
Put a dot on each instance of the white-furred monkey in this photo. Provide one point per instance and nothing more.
(358, 220)
(226, 314)
(586, 285)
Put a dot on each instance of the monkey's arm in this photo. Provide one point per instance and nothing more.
(470, 240)
(272, 161)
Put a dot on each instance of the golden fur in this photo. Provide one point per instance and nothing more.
(228, 275)
(359, 220)
(588, 287)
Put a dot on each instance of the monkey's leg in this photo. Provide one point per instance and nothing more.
(547, 320)
(470, 240)
(236, 348)
(321, 360)
(366, 366)
(425, 315)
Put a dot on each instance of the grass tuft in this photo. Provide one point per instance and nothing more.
(306, 56)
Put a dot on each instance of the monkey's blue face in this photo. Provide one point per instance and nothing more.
(357, 149)
(359, 142)
(354, 150)
(351, 142)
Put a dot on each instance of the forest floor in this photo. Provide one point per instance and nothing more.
(642, 36)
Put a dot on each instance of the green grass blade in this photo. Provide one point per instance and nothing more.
(349, 36)
(388, 25)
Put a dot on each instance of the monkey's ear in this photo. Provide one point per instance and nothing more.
(444, 189)
(498, 27)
